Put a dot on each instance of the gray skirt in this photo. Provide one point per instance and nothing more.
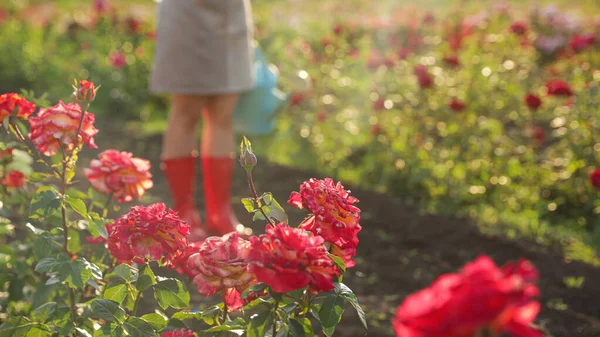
(203, 47)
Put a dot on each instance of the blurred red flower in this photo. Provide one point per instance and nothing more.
(119, 174)
(538, 134)
(558, 88)
(338, 29)
(452, 60)
(532, 101)
(581, 42)
(379, 105)
(57, 126)
(12, 103)
(287, 259)
(14, 178)
(423, 77)
(221, 265)
(117, 60)
(481, 296)
(429, 18)
(296, 99)
(518, 28)
(147, 233)
(595, 178)
(456, 105)
(334, 216)
(179, 333)
(6, 155)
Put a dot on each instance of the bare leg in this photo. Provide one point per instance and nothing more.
(217, 129)
(180, 137)
(180, 159)
(218, 163)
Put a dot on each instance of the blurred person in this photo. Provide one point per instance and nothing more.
(204, 60)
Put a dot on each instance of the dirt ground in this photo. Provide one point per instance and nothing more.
(402, 250)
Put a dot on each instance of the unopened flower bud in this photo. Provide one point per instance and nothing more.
(247, 158)
(86, 92)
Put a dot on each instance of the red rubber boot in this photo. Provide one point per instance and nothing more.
(217, 174)
(181, 176)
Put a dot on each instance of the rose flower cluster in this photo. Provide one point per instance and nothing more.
(284, 258)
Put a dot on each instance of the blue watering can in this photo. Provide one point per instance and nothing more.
(256, 109)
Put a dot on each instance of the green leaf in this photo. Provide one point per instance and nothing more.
(171, 293)
(347, 293)
(42, 295)
(137, 327)
(124, 271)
(260, 324)
(39, 331)
(97, 227)
(158, 320)
(44, 312)
(249, 205)
(15, 327)
(214, 331)
(116, 292)
(46, 265)
(42, 247)
(331, 312)
(301, 327)
(76, 273)
(338, 261)
(107, 310)
(210, 315)
(77, 205)
(81, 332)
(37, 177)
(272, 208)
(44, 204)
(146, 279)
(74, 241)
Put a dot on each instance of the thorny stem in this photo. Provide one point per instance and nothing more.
(136, 303)
(83, 111)
(256, 198)
(63, 191)
(275, 307)
(106, 205)
(224, 313)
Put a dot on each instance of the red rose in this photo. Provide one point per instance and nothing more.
(133, 24)
(532, 101)
(14, 179)
(456, 105)
(147, 233)
(538, 134)
(481, 296)
(452, 61)
(379, 105)
(101, 6)
(221, 265)
(57, 126)
(429, 18)
(117, 60)
(403, 52)
(423, 77)
(85, 92)
(581, 42)
(179, 333)
(375, 130)
(334, 216)
(287, 259)
(296, 99)
(518, 28)
(12, 103)
(338, 29)
(595, 178)
(179, 261)
(558, 88)
(119, 174)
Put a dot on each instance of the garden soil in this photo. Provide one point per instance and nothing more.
(402, 250)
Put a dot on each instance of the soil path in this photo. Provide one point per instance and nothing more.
(402, 250)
